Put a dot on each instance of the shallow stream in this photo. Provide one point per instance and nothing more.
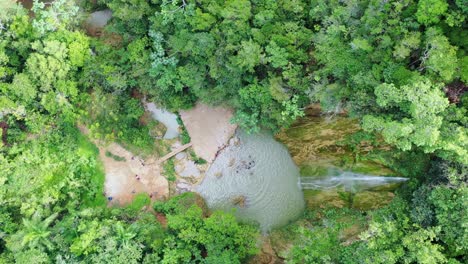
(167, 118)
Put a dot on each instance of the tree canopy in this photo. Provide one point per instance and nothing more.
(399, 66)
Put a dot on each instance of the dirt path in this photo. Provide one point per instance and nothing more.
(128, 175)
(126, 178)
(209, 128)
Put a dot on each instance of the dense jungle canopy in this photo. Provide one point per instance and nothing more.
(399, 66)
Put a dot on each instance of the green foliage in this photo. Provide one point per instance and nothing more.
(392, 239)
(378, 63)
(10, 8)
(58, 14)
(429, 11)
(440, 57)
(192, 238)
(139, 201)
(181, 203)
(169, 170)
(387, 62)
(212, 52)
(184, 136)
(105, 110)
(220, 237)
(195, 158)
(450, 211)
(419, 119)
(319, 241)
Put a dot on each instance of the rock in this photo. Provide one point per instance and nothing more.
(234, 141)
(231, 162)
(159, 130)
(368, 200)
(182, 190)
(183, 185)
(239, 201)
(182, 180)
(210, 128)
(266, 255)
(218, 174)
(179, 168)
(319, 199)
(180, 155)
(190, 169)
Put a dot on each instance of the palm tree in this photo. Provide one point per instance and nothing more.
(123, 235)
(35, 233)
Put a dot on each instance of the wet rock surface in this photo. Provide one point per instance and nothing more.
(239, 201)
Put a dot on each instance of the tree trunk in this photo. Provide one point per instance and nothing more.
(4, 127)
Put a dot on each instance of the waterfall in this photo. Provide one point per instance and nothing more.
(350, 181)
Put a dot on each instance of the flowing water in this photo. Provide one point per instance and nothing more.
(259, 178)
(349, 181)
(167, 118)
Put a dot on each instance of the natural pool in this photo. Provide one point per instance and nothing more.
(257, 177)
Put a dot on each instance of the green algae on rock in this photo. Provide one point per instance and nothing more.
(315, 143)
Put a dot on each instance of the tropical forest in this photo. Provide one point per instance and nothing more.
(234, 131)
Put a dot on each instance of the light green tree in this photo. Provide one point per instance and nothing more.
(35, 234)
(54, 15)
(421, 104)
(429, 11)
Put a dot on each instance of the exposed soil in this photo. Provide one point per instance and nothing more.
(209, 128)
(128, 175)
(126, 178)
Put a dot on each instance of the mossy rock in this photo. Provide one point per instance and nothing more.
(323, 199)
(283, 239)
(313, 170)
(368, 200)
(372, 168)
(158, 130)
(314, 138)
(239, 201)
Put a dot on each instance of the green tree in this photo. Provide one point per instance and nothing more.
(35, 234)
(194, 238)
(51, 16)
(440, 57)
(419, 119)
(391, 238)
(429, 11)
